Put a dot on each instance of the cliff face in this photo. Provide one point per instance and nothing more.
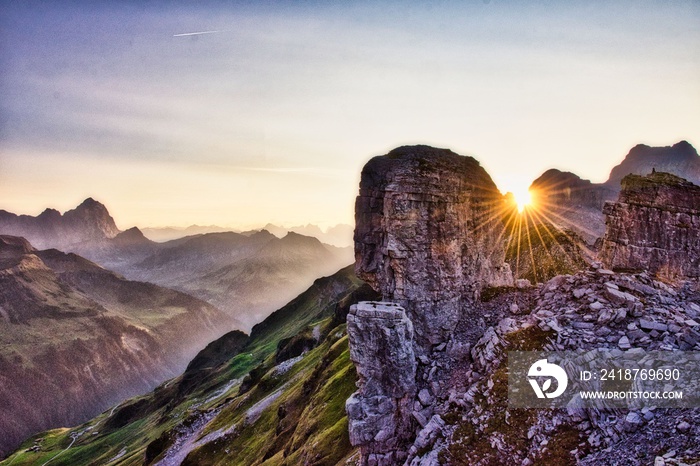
(654, 226)
(427, 235)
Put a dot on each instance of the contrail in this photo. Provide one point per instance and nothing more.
(194, 33)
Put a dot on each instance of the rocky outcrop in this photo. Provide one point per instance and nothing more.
(590, 310)
(428, 235)
(654, 226)
(379, 413)
(426, 239)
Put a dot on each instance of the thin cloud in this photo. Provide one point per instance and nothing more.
(185, 34)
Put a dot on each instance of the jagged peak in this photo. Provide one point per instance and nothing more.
(50, 213)
(262, 233)
(91, 203)
(96, 216)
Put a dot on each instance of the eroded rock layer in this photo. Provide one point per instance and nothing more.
(654, 226)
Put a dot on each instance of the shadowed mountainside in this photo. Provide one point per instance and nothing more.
(245, 276)
(76, 338)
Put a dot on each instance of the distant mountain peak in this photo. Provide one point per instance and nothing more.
(262, 233)
(555, 177)
(50, 213)
(88, 222)
(132, 236)
(90, 202)
(296, 238)
(684, 145)
(680, 159)
(94, 218)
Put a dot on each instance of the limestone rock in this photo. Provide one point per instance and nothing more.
(428, 235)
(381, 347)
(654, 226)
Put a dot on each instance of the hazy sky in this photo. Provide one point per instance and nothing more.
(271, 117)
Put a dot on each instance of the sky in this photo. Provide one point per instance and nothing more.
(270, 115)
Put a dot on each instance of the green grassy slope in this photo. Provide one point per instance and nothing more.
(276, 398)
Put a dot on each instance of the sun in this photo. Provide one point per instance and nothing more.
(523, 199)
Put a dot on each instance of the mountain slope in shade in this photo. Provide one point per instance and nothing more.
(89, 222)
(276, 396)
(680, 159)
(76, 338)
(572, 203)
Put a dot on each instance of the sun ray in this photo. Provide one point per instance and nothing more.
(560, 230)
(529, 243)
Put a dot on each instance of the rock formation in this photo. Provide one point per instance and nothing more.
(654, 226)
(428, 235)
(379, 413)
